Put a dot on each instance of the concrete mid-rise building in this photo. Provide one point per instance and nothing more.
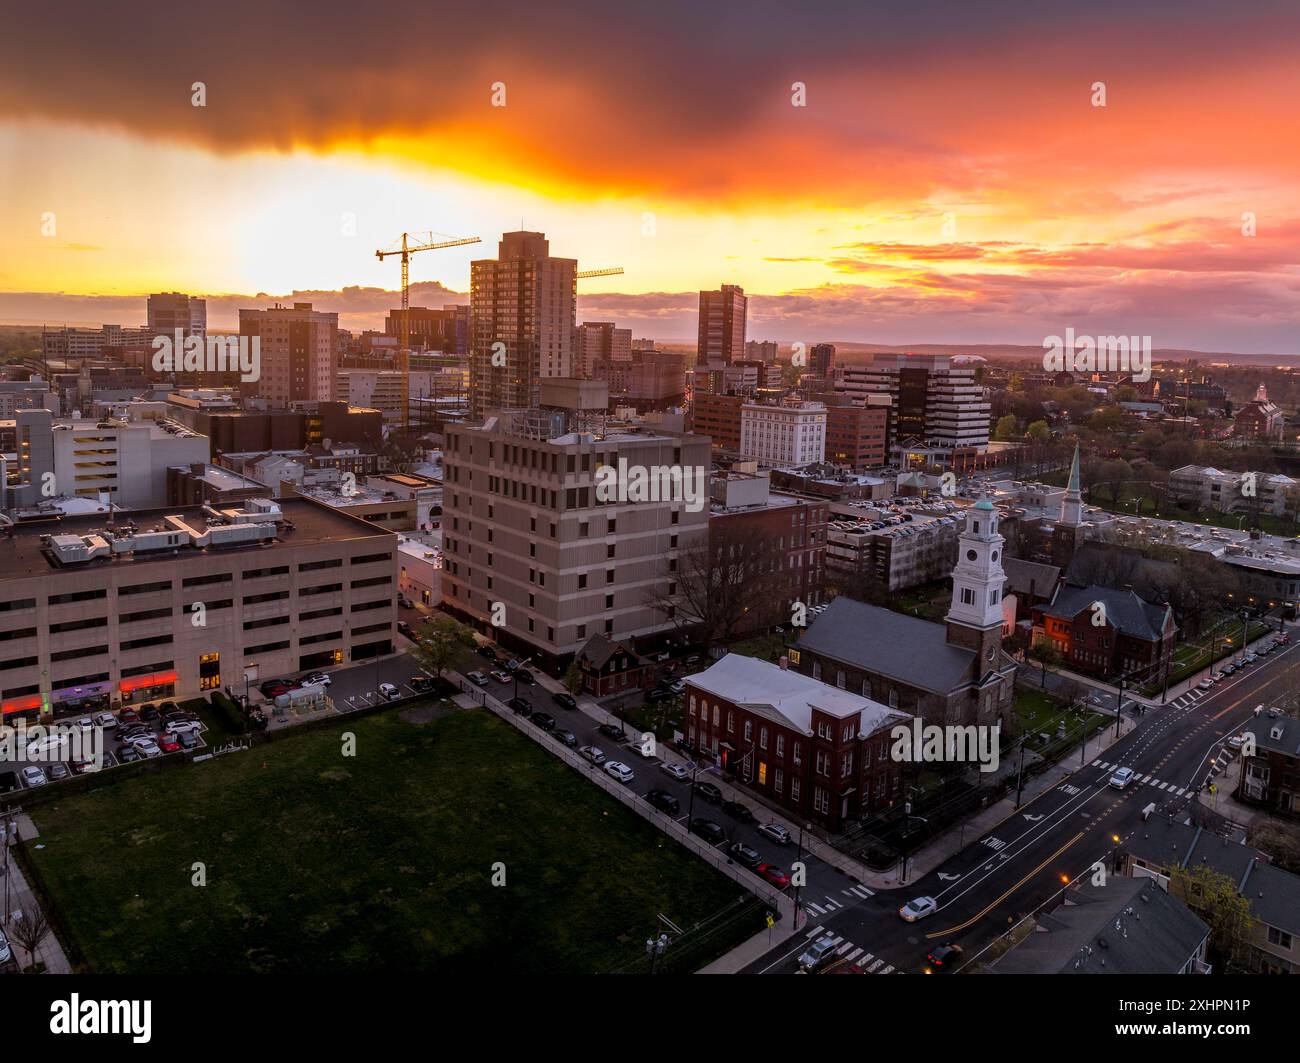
(933, 398)
(783, 435)
(721, 326)
(599, 341)
(299, 351)
(98, 612)
(543, 549)
(169, 312)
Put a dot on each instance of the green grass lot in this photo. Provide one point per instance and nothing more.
(318, 863)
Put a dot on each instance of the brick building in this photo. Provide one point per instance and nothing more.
(718, 417)
(1107, 632)
(817, 751)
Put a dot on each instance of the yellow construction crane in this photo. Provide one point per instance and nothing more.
(613, 272)
(411, 243)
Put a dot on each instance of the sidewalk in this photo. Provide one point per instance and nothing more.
(50, 951)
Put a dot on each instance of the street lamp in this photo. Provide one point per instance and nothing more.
(654, 948)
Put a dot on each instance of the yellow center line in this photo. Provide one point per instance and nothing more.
(980, 915)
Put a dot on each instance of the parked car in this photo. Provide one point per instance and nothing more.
(403, 628)
(33, 776)
(612, 730)
(664, 801)
(654, 694)
(708, 792)
(188, 740)
(318, 679)
(774, 875)
(147, 747)
(544, 720)
(106, 720)
(524, 676)
(273, 688)
(421, 684)
(86, 723)
(776, 832)
(1236, 741)
(677, 686)
(918, 908)
(677, 771)
(500, 676)
(166, 707)
(1229, 668)
(565, 701)
(150, 713)
(127, 716)
(168, 743)
(389, 691)
(738, 811)
(1205, 684)
(128, 734)
(486, 652)
(1251, 658)
(708, 830)
(566, 738)
(520, 706)
(127, 754)
(616, 769)
(1121, 778)
(80, 767)
(945, 958)
(1216, 677)
(818, 954)
(58, 771)
(477, 678)
(6, 952)
(592, 754)
(175, 727)
(744, 855)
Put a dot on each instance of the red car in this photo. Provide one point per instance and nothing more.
(168, 743)
(774, 875)
(127, 716)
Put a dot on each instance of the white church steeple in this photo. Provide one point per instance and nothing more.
(1072, 501)
(978, 579)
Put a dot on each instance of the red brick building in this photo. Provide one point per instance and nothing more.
(1259, 419)
(856, 436)
(821, 753)
(1106, 632)
(609, 667)
(718, 417)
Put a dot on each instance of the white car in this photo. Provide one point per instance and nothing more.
(1121, 778)
(86, 724)
(106, 720)
(34, 776)
(677, 771)
(618, 770)
(180, 727)
(1236, 741)
(477, 678)
(6, 953)
(776, 832)
(147, 747)
(1205, 684)
(388, 690)
(918, 908)
(320, 679)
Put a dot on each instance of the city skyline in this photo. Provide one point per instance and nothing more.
(984, 198)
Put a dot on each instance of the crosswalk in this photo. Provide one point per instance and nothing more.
(1147, 780)
(831, 904)
(846, 953)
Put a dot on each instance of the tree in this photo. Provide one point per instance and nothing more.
(29, 928)
(1280, 840)
(1038, 431)
(722, 578)
(1007, 427)
(444, 643)
(1044, 651)
(573, 678)
(1213, 896)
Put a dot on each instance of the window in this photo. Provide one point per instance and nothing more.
(749, 730)
(1279, 938)
(967, 596)
(780, 745)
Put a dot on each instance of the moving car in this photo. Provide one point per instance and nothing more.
(565, 701)
(477, 678)
(33, 776)
(616, 769)
(708, 792)
(738, 811)
(918, 908)
(818, 954)
(1121, 778)
(776, 832)
(677, 771)
(774, 875)
(708, 830)
(744, 855)
(664, 801)
(592, 754)
(388, 690)
(945, 958)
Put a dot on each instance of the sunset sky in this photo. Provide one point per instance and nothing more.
(661, 138)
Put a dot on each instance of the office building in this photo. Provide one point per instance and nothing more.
(933, 399)
(783, 435)
(599, 341)
(299, 350)
(721, 326)
(169, 311)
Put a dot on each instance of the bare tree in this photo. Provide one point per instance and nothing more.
(29, 928)
(720, 581)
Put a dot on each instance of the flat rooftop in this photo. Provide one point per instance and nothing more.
(23, 555)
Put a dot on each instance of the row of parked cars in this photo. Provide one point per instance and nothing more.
(1245, 660)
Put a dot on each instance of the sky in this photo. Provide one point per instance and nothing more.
(949, 176)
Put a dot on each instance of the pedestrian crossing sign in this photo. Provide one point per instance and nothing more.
(770, 921)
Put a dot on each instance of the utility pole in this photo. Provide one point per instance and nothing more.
(10, 829)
